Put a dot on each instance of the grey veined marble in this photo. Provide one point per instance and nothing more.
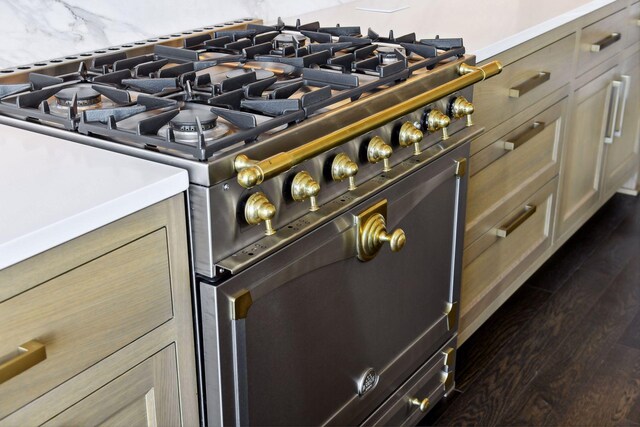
(33, 30)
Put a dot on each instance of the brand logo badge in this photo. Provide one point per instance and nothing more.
(367, 381)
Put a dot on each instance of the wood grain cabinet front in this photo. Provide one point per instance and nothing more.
(98, 331)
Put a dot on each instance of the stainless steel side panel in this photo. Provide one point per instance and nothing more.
(320, 317)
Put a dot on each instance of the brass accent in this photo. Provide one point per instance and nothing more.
(509, 228)
(451, 311)
(437, 120)
(448, 379)
(378, 150)
(259, 209)
(240, 305)
(410, 134)
(461, 167)
(281, 162)
(529, 84)
(605, 42)
(526, 136)
(461, 107)
(242, 161)
(305, 187)
(423, 404)
(449, 356)
(29, 354)
(372, 232)
(343, 167)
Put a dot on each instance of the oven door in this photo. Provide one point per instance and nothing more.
(313, 335)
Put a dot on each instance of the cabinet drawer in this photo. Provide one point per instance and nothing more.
(83, 316)
(492, 262)
(601, 41)
(431, 382)
(632, 27)
(517, 162)
(523, 83)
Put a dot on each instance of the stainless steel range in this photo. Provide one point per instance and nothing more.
(328, 185)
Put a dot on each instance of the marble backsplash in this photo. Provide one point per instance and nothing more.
(35, 30)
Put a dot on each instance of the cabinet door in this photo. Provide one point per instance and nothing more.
(145, 395)
(622, 153)
(581, 170)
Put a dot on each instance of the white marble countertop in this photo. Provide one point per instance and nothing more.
(488, 27)
(52, 190)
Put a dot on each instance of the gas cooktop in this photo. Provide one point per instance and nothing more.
(223, 88)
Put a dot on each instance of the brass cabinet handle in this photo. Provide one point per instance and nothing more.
(612, 111)
(529, 84)
(626, 83)
(509, 228)
(605, 42)
(524, 137)
(252, 173)
(30, 354)
(423, 404)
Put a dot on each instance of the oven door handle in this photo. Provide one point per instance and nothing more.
(253, 172)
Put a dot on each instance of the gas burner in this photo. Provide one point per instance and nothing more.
(284, 40)
(185, 121)
(389, 54)
(185, 126)
(85, 96)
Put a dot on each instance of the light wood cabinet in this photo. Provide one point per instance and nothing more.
(110, 315)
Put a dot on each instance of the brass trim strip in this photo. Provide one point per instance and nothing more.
(529, 84)
(525, 136)
(461, 167)
(264, 169)
(240, 305)
(30, 354)
(507, 229)
(451, 311)
(605, 42)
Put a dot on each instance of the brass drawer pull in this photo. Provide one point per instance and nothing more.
(423, 404)
(524, 137)
(31, 353)
(507, 229)
(529, 84)
(605, 42)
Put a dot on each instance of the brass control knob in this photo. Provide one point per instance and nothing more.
(462, 108)
(423, 404)
(410, 134)
(305, 187)
(343, 167)
(374, 235)
(259, 209)
(437, 120)
(378, 150)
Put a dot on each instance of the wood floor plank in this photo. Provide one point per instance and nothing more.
(631, 336)
(610, 396)
(572, 365)
(485, 400)
(479, 351)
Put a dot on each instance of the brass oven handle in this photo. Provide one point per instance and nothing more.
(509, 228)
(614, 100)
(524, 137)
(251, 173)
(605, 42)
(529, 84)
(31, 353)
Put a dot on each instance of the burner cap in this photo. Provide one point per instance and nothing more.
(85, 96)
(185, 121)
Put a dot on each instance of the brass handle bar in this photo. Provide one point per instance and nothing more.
(605, 42)
(505, 230)
(252, 173)
(29, 355)
(529, 84)
(524, 137)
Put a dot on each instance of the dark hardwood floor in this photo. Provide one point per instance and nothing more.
(565, 348)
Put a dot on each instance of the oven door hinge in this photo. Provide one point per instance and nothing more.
(240, 304)
(461, 167)
(451, 311)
